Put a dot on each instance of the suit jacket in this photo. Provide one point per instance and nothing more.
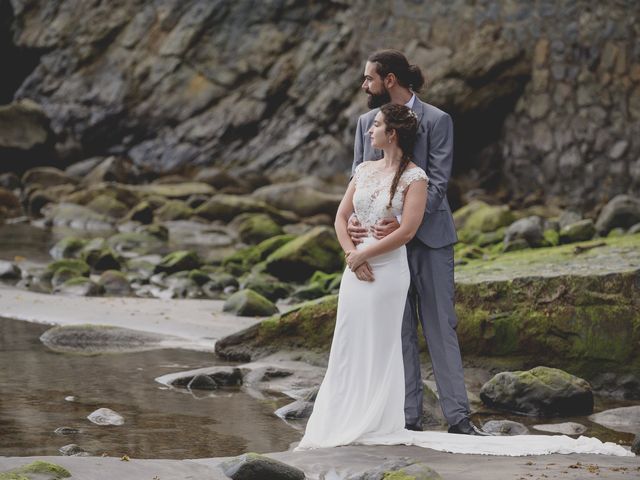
(434, 154)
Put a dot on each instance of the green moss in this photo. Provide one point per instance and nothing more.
(179, 261)
(309, 326)
(248, 303)
(199, 277)
(107, 205)
(257, 228)
(243, 260)
(173, 210)
(79, 266)
(68, 247)
(552, 237)
(398, 475)
(297, 260)
(38, 467)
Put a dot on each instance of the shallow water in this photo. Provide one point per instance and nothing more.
(159, 422)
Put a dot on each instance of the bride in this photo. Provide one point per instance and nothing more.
(361, 399)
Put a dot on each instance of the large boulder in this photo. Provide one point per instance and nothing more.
(300, 198)
(578, 232)
(309, 326)
(76, 216)
(178, 191)
(38, 470)
(226, 207)
(297, 260)
(179, 261)
(26, 138)
(622, 211)
(266, 285)
(9, 204)
(251, 466)
(540, 391)
(247, 303)
(529, 229)
(623, 419)
(243, 260)
(478, 217)
(111, 169)
(46, 177)
(109, 206)
(255, 228)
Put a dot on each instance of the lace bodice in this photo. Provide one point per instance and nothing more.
(372, 192)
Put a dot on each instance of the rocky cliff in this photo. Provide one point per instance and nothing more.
(545, 95)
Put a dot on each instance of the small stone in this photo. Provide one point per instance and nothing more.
(618, 149)
(566, 428)
(70, 398)
(296, 410)
(635, 445)
(622, 211)
(66, 431)
(73, 450)
(106, 416)
(505, 427)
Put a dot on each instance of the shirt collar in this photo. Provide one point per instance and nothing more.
(411, 101)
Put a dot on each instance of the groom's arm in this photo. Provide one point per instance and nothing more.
(358, 147)
(439, 161)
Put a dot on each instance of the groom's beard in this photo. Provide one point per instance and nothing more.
(376, 100)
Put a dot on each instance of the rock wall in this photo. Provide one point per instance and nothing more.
(545, 95)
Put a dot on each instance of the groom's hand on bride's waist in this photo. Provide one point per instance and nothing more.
(355, 230)
(384, 227)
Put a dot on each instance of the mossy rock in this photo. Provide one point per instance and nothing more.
(109, 206)
(179, 261)
(67, 247)
(243, 260)
(142, 212)
(80, 266)
(309, 326)
(267, 286)
(177, 190)
(173, 210)
(102, 259)
(551, 237)
(226, 207)
(80, 287)
(251, 466)
(37, 470)
(482, 218)
(541, 391)
(328, 281)
(308, 292)
(114, 282)
(297, 260)
(199, 277)
(135, 242)
(257, 228)
(417, 471)
(247, 303)
(578, 232)
(156, 230)
(63, 274)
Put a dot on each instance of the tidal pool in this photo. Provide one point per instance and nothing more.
(159, 422)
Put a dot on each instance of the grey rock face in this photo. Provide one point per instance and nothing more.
(251, 466)
(622, 211)
(635, 445)
(623, 419)
(505, 427)
(539, 391)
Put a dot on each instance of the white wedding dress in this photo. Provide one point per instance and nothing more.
(361, 399)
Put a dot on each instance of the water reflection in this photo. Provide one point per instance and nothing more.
(159, 422)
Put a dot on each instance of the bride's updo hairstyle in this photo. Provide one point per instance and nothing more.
(405, 123)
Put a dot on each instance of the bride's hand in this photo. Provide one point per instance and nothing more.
(355, 258)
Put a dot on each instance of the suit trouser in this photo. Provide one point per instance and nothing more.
(431, 301)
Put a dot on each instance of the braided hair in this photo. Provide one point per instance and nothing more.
(404, 121)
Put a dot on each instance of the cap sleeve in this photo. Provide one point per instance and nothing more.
(357, 173)
(413, 175)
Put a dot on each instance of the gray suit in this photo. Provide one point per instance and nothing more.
(431, 296)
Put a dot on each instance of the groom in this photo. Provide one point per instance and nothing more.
(388, 77)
